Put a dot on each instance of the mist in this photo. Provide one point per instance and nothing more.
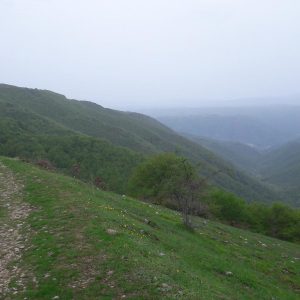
(160, 53)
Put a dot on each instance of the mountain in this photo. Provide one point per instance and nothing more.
(31, 136)
(241, 129)
(263, 127)
(278, 167)
(281, 167)
(69, 132)
(72, 241)
(243, 156)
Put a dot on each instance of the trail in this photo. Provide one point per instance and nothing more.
(13, 234)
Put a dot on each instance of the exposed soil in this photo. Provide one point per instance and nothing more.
(13, 234)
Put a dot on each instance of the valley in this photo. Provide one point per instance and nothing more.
(267, 147)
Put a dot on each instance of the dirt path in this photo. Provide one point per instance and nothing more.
(13, 233)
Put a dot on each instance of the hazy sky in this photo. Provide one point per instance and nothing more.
(134, 53)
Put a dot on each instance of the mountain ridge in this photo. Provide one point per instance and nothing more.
(141, 134)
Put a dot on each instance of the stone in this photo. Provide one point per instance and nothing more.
(228, 273)
(111, 231)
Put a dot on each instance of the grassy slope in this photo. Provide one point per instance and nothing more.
(134, 131)
(80, 259)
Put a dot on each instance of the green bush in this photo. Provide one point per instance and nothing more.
(279, 220)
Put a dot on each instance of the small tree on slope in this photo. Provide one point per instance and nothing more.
(168, 178)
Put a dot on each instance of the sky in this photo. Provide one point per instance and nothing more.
(154, 53)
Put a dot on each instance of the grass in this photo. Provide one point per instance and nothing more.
(150, 255)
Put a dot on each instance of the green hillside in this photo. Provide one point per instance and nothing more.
(30, 136)
(38, 117)
(243, 156)
(73, 241)
(278, 167)
(281, 167)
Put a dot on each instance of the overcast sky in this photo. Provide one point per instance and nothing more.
(135, 53)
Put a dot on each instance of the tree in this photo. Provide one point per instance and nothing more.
(283, 222)
(168, 178)
(229, 207)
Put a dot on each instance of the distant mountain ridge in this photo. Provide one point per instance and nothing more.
(263, 127)
(50, 121)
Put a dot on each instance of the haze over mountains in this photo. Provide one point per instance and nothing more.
(259, 126)
(261, 140)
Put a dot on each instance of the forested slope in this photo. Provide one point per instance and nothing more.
(37, 115)
(281, 167)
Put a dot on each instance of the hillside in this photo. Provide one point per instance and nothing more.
(40, 116)
(73, 240)
(30, 136)
(281, 167)
(241, 155)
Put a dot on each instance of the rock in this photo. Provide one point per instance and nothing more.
(228, 273)
(111, 231)
(109, 273)
(165, 287)
(161, 254)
